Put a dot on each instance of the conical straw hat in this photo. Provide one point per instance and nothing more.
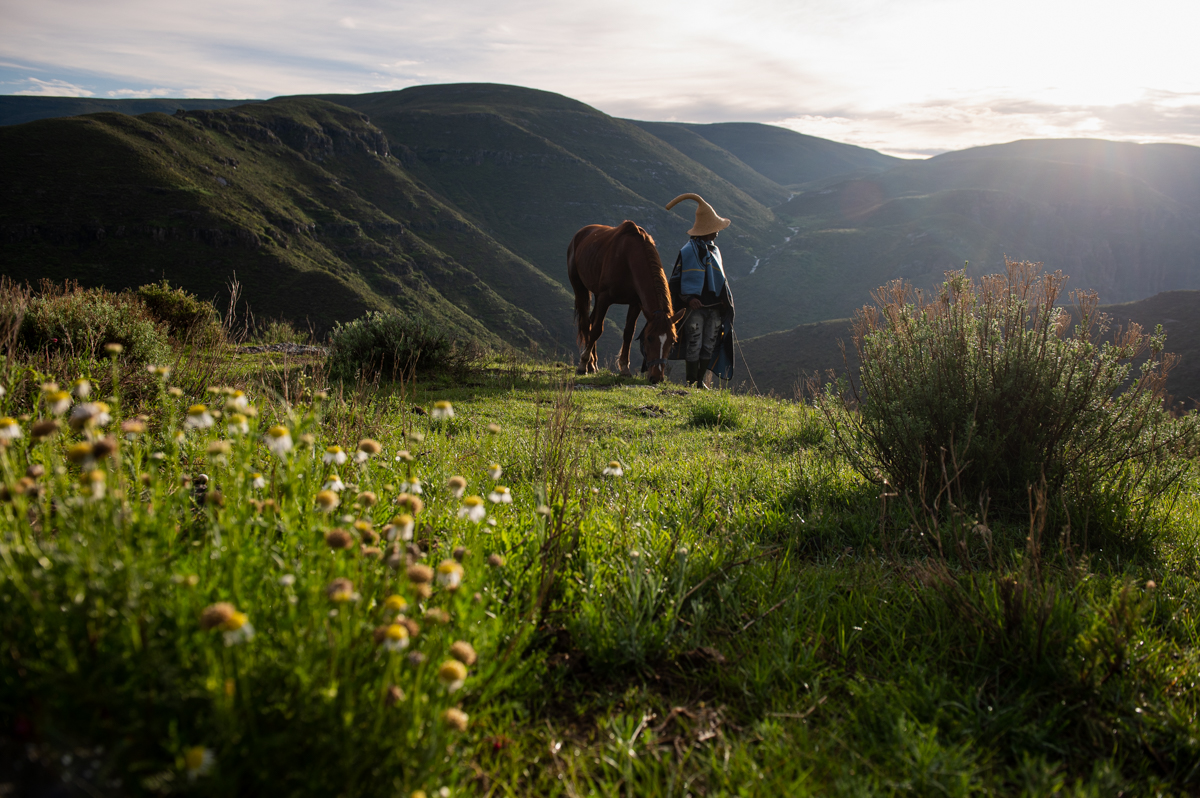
(707, 220)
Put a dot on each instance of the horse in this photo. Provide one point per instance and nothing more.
(620, 266)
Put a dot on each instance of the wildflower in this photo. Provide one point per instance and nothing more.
(401, 528)
(472, 509)
(238, 424)
(224, 617)
(58, 402)
(614, 469)
(408, 501)
(94, 483)
(500, 495)
(198, 417)
(412, 487)
(456, 485)
(287, 580)
(9, 429)
(369, 536)
(403, 456)
(394, 603)
(341, 590)
(114, 349)
(327, 501)
(452, 674)
(412, 626)
(279, 441)
(449, 574)
(393, 696)
(461, 552)
(335, 455)
(414, 436)
(367, 498)
(456, 719)
(420, 574)
(494, 428)
(237, 402)
(82, 388)
(463, 652)
(395, 638)
(219, 451)
(237, 629)
(162, 372)
(198, 761)
(104, 447)
(338, 539)
(257, 481)
(133, 428)
(442, 411)
(307, 440)
(334, 483)
(495, 560)
(416, 659)
(494, 471)
(43, 429)
(367, 448)
(175, 391)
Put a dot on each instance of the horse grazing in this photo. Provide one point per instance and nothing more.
(620, 266)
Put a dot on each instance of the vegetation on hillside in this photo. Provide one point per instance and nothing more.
(230, 576)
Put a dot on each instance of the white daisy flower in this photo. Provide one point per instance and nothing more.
(257, 481)
(10, 430)
(442, 410)
(57, 402)
(452, 674)
(237, 401)
(411, 487)
(457, 486)
(495, 471)
(82, 388)
(237, 629)
(198, 761)
(279, 441)
(614, 469)
(287, 580)
(450, 574)
(198, 417)
(238, 424)
(500, 495)
(401, 528)
(335, 455)
(395, 638)
(472, 509)
(334, 483)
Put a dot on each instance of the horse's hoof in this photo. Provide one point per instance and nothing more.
(580, 370)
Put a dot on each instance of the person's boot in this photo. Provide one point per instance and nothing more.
(693, 373)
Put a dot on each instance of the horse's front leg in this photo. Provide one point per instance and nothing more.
(597, 329)
(630, 325)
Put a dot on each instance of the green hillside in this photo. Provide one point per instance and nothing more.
(781, 362)
(300, 198)
(1126, 233)
(532, 167)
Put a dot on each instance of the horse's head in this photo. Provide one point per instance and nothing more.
(657, 339)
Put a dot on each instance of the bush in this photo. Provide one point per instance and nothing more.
(81, 321)
(715, 409)
(278, 331)
(991, 388)
(187, 318)
(392, 346)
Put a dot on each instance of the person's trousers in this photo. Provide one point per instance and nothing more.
(701, 327)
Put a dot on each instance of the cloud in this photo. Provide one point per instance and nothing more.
(53, 88)
(139, 93)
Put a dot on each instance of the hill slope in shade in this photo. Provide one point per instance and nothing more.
(1126, 232)
(532, 167)
(16, 110)
(781, 362)
(301, 198)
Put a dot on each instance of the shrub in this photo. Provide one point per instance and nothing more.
(390, 345)
(278, 331)
(81, 321)
(715, 409)
(991, 388)
(187, 318)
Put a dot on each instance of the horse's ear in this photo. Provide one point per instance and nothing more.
(679, 314)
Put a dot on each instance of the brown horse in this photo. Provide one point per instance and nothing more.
(620, 266)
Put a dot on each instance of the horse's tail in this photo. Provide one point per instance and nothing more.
(583, 297)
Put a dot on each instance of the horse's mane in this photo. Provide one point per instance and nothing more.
(659, 285)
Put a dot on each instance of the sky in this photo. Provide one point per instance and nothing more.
(911, 78)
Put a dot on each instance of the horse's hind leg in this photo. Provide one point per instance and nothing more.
(597, 329)
(630, 325)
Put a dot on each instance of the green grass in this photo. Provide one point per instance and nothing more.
(776, 632)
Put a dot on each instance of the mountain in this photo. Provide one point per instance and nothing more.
(781, 362)
(1120, 219)
(16, 110)
(301, 199)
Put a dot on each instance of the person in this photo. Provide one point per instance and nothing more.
(699, 281)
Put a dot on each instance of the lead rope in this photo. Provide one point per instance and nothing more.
(738, 344)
